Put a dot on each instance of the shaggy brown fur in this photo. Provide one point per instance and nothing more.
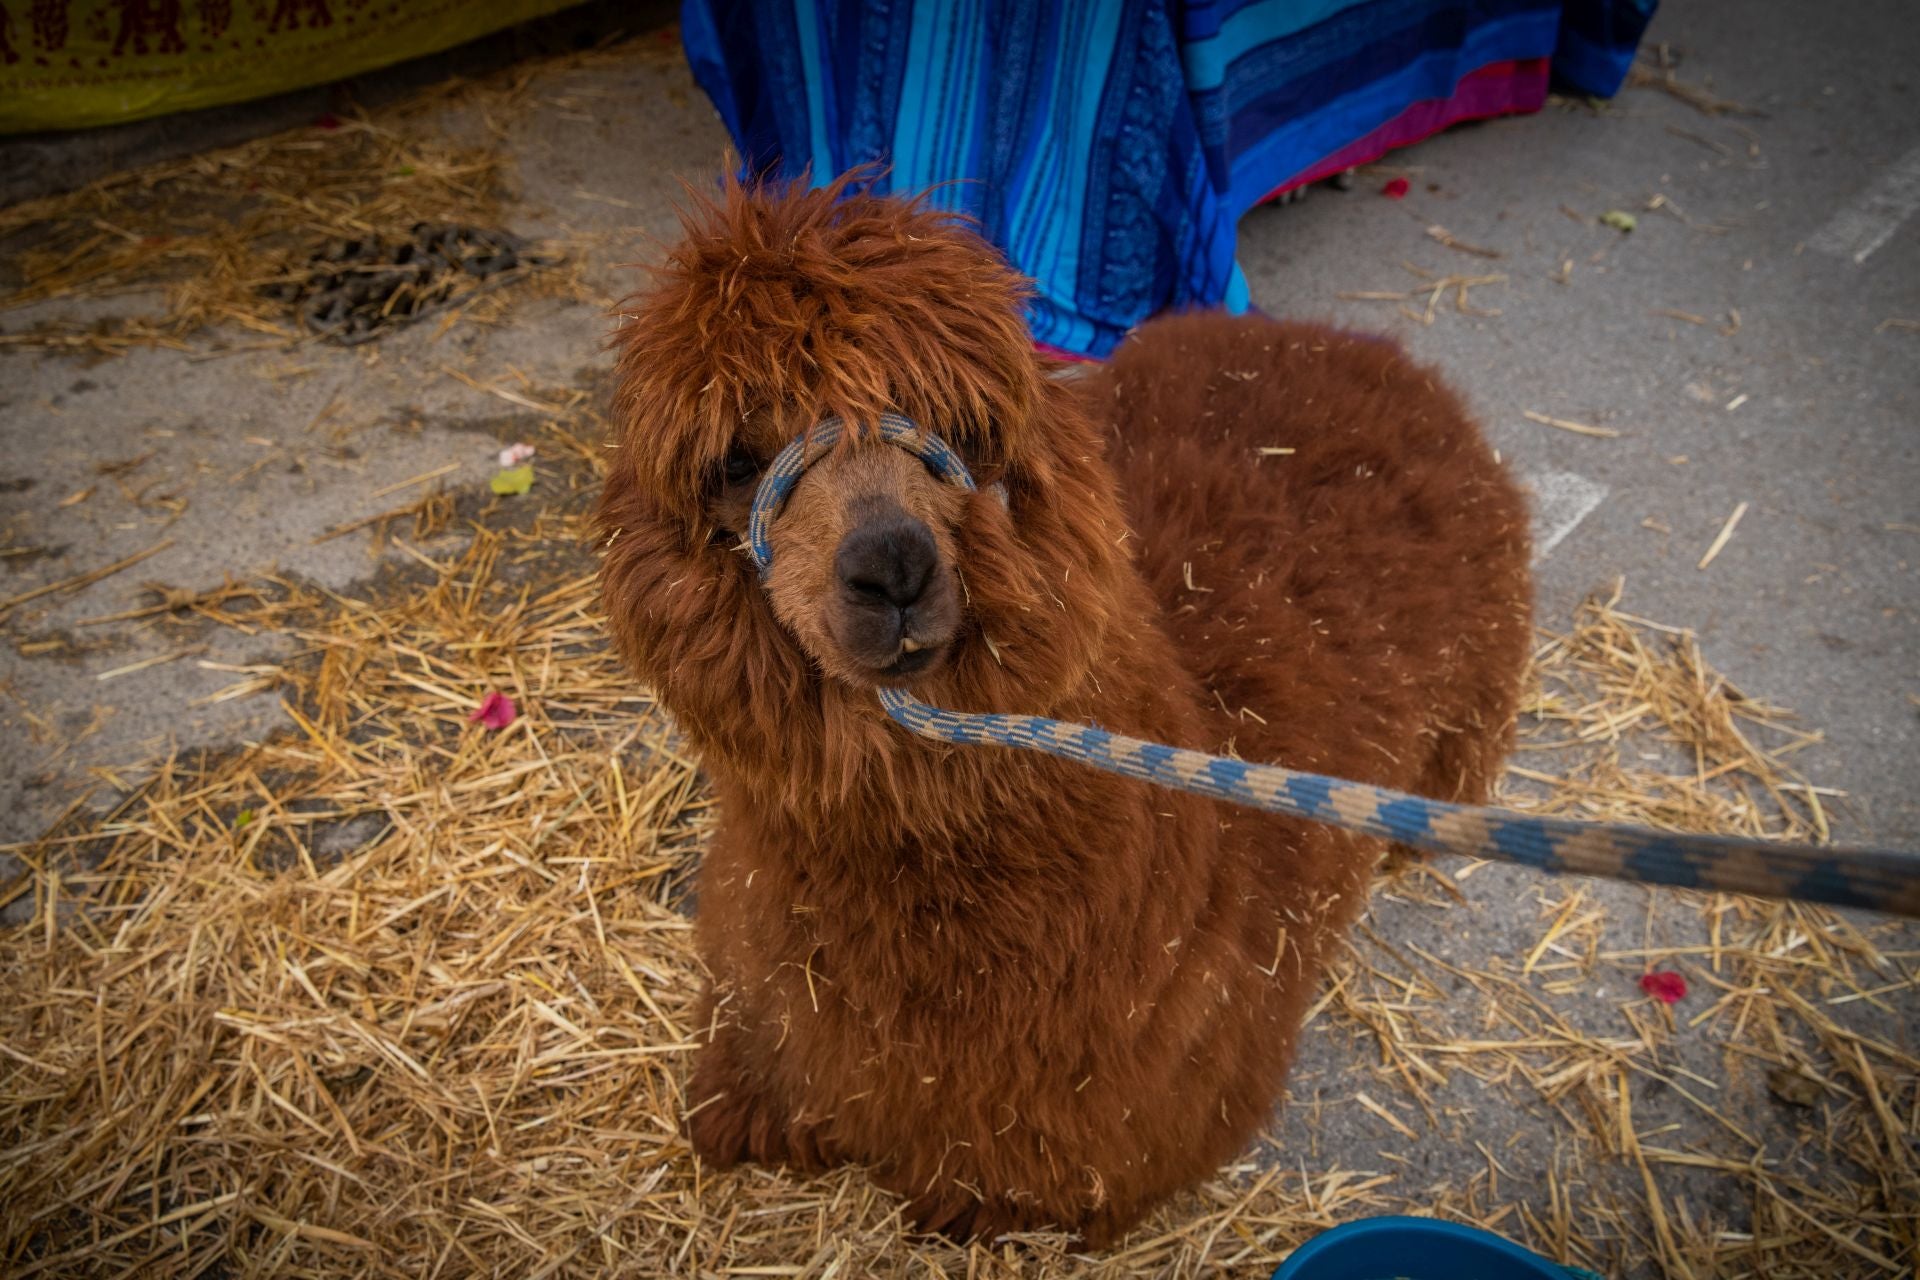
(1023, 992)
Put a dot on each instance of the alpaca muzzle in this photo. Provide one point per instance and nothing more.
(895, 610)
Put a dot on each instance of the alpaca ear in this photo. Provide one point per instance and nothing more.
(673, 423)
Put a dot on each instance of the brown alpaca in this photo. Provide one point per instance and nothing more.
(1024, 993)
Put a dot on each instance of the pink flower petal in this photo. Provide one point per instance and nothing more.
(496, 711)
(1665, 986)
(515, 454)
(1396, 189)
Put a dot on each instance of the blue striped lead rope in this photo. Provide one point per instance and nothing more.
(1877, 879)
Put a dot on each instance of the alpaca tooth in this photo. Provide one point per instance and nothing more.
(909, 645)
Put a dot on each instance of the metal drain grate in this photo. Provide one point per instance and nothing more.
(354, 290)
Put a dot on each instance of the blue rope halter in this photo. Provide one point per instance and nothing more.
(1877, 879)
(792, 462)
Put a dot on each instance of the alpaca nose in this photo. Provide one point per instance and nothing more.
(888, 560)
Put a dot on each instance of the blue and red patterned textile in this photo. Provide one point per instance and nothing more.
(1110, 146)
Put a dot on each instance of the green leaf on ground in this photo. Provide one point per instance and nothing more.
(512, 480)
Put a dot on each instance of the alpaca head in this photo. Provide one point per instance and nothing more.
(779, 308)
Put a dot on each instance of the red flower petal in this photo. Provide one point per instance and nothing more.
(1664, 986)
(328, 120)
(1396, 189)
(496, 711)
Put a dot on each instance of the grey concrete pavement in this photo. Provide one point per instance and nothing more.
(239, 461)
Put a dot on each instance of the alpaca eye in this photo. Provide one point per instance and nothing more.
(742, 467)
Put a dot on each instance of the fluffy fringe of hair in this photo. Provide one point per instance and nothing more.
(763, 318)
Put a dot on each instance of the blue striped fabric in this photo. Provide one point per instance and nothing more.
(1109, 146)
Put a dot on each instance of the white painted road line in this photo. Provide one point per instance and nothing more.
(1871, 218)
(1561, 500)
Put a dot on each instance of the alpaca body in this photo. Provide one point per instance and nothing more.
(1039, 1014)
(1024, 993)
(1365, 597)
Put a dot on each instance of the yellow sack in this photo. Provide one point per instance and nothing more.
(67, 64)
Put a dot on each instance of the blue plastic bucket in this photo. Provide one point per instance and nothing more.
(1416, 1249)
